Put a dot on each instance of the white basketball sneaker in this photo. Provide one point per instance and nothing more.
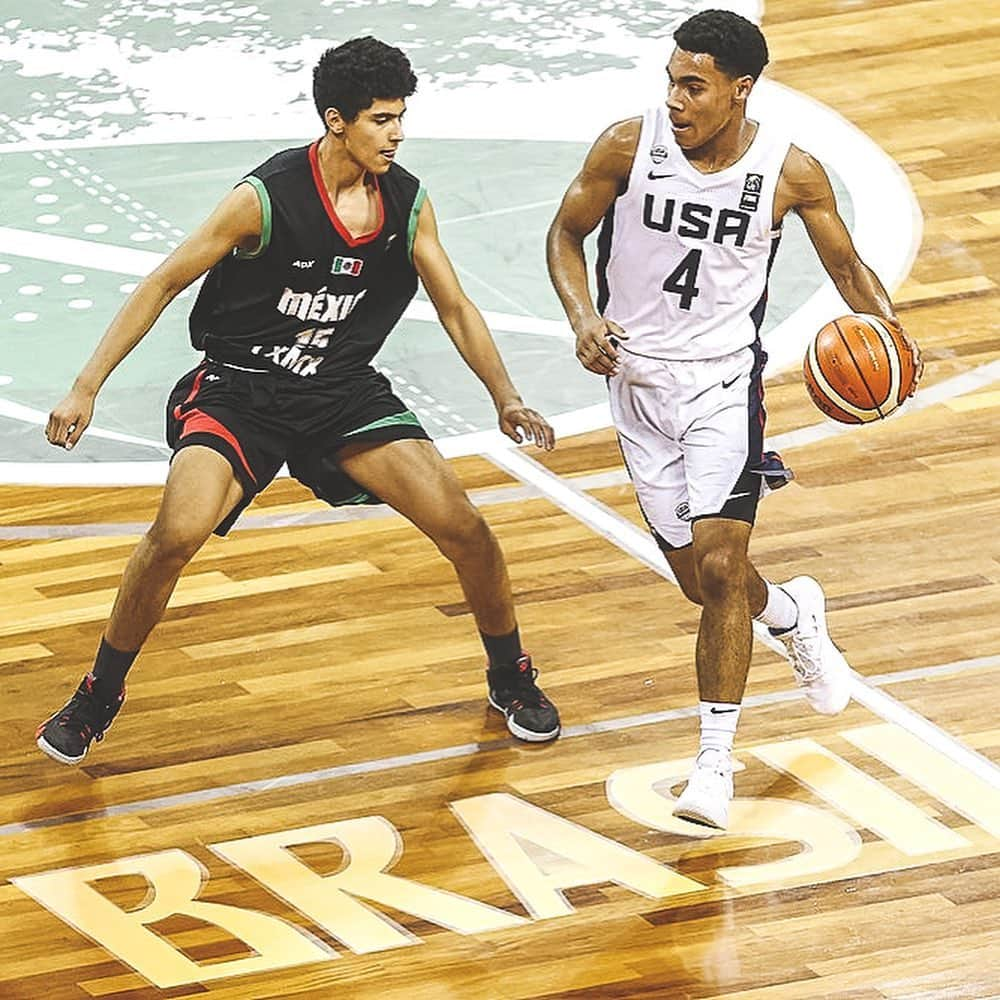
(820, 668)
(709, 790)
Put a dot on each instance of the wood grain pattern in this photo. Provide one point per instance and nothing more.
(312, 647)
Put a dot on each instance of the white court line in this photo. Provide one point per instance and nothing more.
(500, 211)
(639, 544)
(29, 415)
(78, 253)
(262, 785)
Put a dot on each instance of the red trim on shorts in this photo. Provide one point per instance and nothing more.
(199, 422)
(191, 394)
(324, 195)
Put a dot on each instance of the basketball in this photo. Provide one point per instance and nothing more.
(859, 369)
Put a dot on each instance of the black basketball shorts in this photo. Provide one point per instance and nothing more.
(258, 421)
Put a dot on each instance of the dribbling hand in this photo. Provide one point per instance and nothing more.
(918, 361)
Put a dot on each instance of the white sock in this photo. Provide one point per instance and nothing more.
(718, 728)
(781, 613)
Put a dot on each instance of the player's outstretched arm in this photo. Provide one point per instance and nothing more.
(464, 323)
(601, 180)
(236, 221)
(805, 189)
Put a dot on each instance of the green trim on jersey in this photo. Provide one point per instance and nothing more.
(411, 230)
(406, 418)
(265, 218)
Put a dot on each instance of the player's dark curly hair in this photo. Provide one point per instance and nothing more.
(350, 76)
(737, 44)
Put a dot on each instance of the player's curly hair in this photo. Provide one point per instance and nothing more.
(737, 45)
(351, 76)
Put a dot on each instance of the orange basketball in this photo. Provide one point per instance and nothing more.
(858, 369)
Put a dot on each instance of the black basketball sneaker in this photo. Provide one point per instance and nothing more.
(513, 691)
(86, 717)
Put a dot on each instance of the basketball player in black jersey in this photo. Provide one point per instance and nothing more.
(312, 260)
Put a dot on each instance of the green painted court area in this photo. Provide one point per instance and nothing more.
(110, 153)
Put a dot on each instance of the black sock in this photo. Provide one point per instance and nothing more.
(502, 650)
(111, 666)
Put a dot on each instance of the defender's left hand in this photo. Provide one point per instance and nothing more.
(521, 423)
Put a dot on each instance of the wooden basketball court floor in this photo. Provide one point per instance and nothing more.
(307, 797)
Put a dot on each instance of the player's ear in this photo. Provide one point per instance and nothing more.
(742, 89)
(334, 121)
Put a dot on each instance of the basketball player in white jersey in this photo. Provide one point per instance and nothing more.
(692, 197)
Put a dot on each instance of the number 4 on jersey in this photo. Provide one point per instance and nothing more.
(681, 280)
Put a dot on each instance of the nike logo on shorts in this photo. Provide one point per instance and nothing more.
(731, 382)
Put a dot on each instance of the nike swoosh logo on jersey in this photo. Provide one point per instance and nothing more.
(658, 177)
(731, 382)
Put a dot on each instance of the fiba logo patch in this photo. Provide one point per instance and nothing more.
(658, 153)
(683, 511)
(347, 265)
(751, 192)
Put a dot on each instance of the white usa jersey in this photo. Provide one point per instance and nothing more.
(683, 257)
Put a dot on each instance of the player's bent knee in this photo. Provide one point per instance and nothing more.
(176, 543)
(720, 572)
(463, 534)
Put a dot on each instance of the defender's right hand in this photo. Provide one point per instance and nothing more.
(595, 348)
(70, 419)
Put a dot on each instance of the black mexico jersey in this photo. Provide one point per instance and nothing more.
(312, 300)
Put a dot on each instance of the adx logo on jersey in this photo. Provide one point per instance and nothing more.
(347, 265)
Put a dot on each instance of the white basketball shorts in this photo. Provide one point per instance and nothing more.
(692, 434)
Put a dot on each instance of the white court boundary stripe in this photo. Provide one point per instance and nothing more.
(29, 415)
(263, 785)
(631, 539)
